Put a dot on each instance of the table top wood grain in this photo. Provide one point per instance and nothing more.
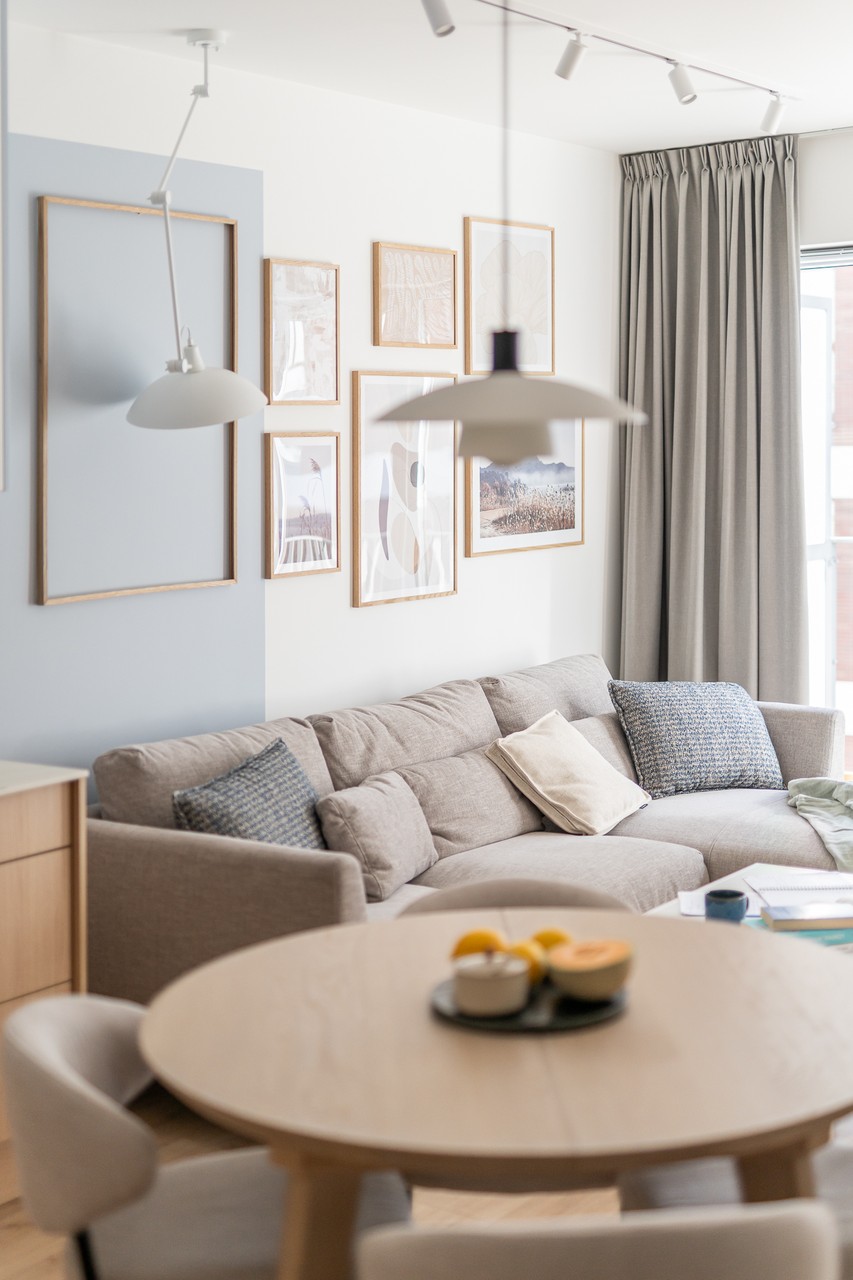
(323, 1043)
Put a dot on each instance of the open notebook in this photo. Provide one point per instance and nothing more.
(783, 888)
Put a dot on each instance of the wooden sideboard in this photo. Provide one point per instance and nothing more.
(42, 897)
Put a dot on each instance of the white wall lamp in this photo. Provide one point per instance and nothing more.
(189, 394)
(679, 78)
(506, 416)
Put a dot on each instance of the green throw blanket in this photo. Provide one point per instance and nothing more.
(828, 805)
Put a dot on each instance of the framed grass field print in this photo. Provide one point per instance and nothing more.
(526, 252)
(301, 332)
(530, 505)
(302, 503)
(404, 493)
(414, 296)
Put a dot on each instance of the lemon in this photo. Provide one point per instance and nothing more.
(479, 940)
(551, 937)
(534, 953)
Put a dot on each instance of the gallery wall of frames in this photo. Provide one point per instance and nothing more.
(404, 475)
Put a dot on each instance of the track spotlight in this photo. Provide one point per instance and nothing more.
(773, 114)
(439, 17)
(573, 54)
(682, 84)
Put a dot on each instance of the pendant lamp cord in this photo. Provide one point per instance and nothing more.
(505, 161)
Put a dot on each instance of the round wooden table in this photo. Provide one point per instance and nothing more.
(322, 1045)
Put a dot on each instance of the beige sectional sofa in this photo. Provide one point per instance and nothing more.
(162, 900)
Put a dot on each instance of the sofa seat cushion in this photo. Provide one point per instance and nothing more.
(382, 825)
(576, 687)
(397, 902)
(467, 802)
(641, 873)
(135, 784)
(444, 721)
(732, 829)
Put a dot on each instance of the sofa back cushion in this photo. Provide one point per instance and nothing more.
(467, 802)
(605, 733)
(135, 783)
(444, 721)
(576, 687)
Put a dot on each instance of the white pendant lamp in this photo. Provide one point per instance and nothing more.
(189, 394)
(507, 416)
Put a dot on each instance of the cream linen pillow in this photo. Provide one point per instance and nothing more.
(555, 767)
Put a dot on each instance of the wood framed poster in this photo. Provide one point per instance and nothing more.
(414, 296)
(301, 331)
(524, 252)
(302, 481)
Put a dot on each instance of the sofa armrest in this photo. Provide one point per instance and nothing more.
(809, 741)
(162, 902)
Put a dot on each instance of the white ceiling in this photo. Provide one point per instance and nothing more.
(384, 49)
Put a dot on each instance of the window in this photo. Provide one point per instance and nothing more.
(827, 395)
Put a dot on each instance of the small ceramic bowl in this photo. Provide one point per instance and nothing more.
(490, 984)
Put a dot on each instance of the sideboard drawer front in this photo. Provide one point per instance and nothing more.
(5, 1010)
(34, 821)
(35, 923)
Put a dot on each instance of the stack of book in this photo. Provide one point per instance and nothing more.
(818, 904)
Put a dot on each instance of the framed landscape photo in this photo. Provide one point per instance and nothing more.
(529, 505)
(526, 251)
(301, 332)
(404, 493)
(302, 503)
(414, 296)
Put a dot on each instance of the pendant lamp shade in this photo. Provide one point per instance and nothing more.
(505, 416)
(201, 398)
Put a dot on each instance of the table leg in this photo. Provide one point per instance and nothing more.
(319, 1219)
(783, 1174)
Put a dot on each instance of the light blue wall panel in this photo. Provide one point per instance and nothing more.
(78, 678)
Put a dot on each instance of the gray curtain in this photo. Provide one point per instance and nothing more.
(714, 584)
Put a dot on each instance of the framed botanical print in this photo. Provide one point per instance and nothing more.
(529, 505)
(414, 296)
(524, 252)
(301, 332)
(302, 504)
(404, 493)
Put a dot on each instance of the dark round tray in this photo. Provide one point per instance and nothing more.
(547, 1010)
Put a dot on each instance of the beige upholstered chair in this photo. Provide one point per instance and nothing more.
(89, 1169)
(513, 893)
(697, 1183)
(795, 1240)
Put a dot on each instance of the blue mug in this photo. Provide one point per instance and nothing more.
(725, 904)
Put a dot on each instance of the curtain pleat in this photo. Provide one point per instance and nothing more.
(714, 570)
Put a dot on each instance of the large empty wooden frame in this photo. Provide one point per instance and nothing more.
(123, 511)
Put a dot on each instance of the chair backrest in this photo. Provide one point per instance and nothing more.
(793, 1240)
(513, 893)
(70, 1063)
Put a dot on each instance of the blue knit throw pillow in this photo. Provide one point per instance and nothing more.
(268, 797)
(685, 736)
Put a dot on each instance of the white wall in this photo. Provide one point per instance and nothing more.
(340, 172)
(826, 188)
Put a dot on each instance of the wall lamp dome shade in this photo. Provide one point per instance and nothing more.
(773, 114)
(198, 398)
(572, 55)
(679, 78)
(439, 17)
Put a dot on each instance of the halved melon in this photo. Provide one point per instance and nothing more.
(591, 970)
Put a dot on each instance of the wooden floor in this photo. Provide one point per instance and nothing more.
(27, 1254)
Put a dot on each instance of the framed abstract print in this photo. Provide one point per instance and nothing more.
(302, 504)
(525, 253)
(529, 505)
(301, 332)
(404, 493)
(414, 296)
